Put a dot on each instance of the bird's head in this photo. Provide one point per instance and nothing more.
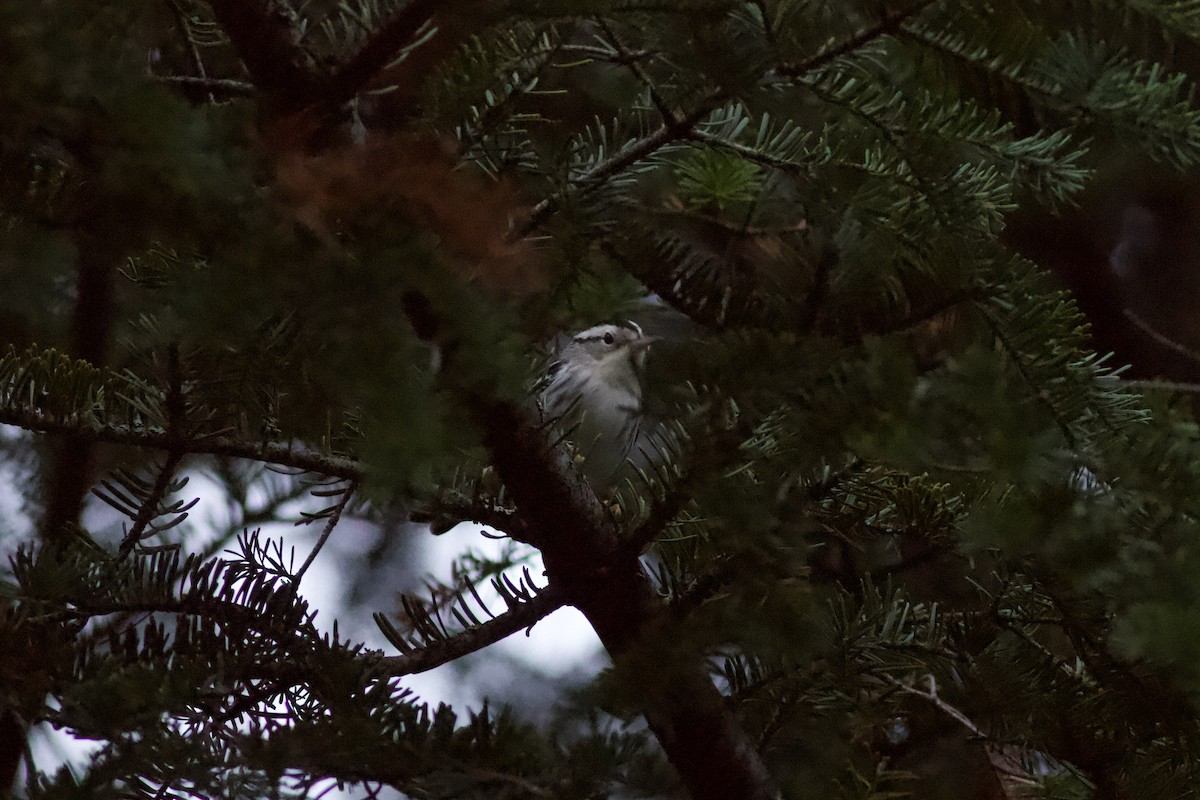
(605, 346)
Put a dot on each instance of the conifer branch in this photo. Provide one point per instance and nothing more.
(503, 625)
(455, 509)
(992, 64)
(282, 455)
(1001, 762)
(935, 308)
(681, 128)
(267, 43)
(749, 153)
(602, 54)
(227, 612)
(148, 509)
(383, 45)
(176, 420)
(735, 228)
(185, 28)
(933, 697)
(334, 516)
(1151, 385)
(225, 87)
(1019, 361)
(585, 558)
(628, 58)
(890, 23)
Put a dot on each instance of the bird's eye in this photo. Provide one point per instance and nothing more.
(608, 338)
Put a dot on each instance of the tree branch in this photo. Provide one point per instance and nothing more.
(890, 23)
(643, 148)
(283, 455)
(933, 697)
(629, 59)
(382, 46)
(214, 86)
(582, 550)
(185, 27)
(290, 80)
(330, 523)
(447, 511)
(501, 626)
(176, 419)
(149, 509)
(266, 42)
(70, 468)
(1159, 338)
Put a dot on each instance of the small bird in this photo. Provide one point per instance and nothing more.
(595, 390)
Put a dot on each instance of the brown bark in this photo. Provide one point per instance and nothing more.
(70, 472)
(585, 558)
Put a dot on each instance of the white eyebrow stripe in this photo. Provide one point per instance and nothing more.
(613, 331)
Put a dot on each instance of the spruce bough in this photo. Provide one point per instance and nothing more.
(907, 534)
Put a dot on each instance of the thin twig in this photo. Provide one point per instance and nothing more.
(176, 409)
(252, 517)
(751, 154)
(1167, 342)
(890, 23)
(527, 787)
(148, 509)
(1018, 630)
(185, 27)
(334, 517)
(517, 618)
(1035, 388)
(225, 86)
(608, 56)
(933, 697)
(226, 612)
(639, 150)
(669, 117)
(1167, 386)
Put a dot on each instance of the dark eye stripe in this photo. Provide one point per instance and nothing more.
(608, 337)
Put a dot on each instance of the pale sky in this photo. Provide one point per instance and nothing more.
(562, 646)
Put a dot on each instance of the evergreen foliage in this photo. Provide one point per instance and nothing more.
(903, 534)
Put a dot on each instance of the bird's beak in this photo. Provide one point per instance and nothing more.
(642, 342)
